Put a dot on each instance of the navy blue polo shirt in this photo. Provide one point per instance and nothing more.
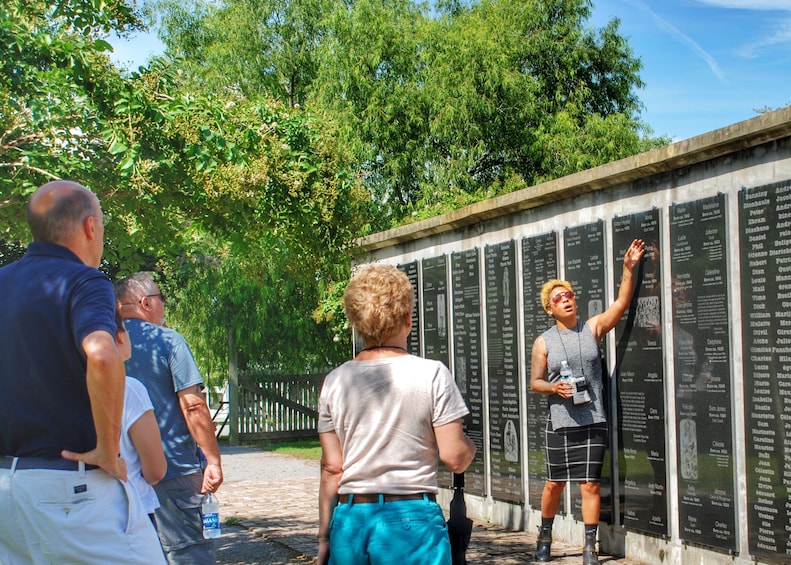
(49, 302)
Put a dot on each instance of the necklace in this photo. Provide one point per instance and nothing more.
(384, 347)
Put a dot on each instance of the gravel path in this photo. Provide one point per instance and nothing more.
(255, 496)
(272, 503)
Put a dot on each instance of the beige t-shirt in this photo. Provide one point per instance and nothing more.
(384, 412)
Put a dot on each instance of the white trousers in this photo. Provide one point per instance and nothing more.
(69, 517)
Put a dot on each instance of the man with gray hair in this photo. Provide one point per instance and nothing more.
(63, 491)
(163, 362)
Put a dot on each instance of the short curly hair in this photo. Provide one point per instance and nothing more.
(378, 300)
(549, 286)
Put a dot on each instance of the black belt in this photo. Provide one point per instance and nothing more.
(369, 498)
(26, 463)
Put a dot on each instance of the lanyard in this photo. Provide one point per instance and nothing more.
(579, 344)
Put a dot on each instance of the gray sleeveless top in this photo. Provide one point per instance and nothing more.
(580, 349)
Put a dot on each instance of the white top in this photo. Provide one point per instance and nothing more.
(384, 412)
(136, 403)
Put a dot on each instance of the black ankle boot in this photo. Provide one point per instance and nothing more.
(589, 555)
(543, 545)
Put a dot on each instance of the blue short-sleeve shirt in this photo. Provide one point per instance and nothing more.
(49, 302)
(163, 362)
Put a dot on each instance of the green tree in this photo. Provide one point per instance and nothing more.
(284, 129)
(442, 105)
(56, 89)
(451, 109)
(259, 48)
(257, 312)
(261, 188)
(371, 73)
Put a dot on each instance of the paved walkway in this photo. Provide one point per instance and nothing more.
(271, 502)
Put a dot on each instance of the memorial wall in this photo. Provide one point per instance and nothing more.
(765, 227)
(698, 369)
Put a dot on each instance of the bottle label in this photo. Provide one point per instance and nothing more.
(211, 521)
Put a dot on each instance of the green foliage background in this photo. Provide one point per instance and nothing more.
(241, 164)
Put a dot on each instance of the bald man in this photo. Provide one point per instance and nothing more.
(63, 491)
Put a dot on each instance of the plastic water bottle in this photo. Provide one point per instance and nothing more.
(565, 371)
(211, 517)
(581, 394)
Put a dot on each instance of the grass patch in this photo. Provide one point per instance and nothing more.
(304, 448)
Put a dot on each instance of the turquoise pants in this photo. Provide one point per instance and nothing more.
(404, 532)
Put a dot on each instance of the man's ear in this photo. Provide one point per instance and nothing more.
(89, 227)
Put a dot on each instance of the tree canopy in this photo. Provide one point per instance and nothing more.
(242, 205)
(442, 105)
(242, 164)
(56, 88)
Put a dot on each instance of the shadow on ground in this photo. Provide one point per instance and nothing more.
(242, 546)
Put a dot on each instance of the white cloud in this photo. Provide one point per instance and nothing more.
(779, 36)
(749, 4)
(678, 34)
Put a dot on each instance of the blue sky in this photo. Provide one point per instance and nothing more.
(707, 64)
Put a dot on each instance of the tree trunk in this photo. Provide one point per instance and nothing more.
(233, 388)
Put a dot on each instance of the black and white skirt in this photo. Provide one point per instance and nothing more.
(575, 454)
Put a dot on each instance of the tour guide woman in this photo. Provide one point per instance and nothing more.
(576, 434)
(384, 417)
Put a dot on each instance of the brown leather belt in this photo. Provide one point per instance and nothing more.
(369, 498)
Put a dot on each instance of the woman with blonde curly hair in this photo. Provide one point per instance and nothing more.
(576, 430)
(385, 417)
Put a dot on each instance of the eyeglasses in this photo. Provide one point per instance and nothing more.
(158, 295)
(102, 217)
(561, 295)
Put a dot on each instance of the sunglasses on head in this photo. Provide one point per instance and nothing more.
(561, 295)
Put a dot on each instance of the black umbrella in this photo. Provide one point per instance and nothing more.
(459, 526)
